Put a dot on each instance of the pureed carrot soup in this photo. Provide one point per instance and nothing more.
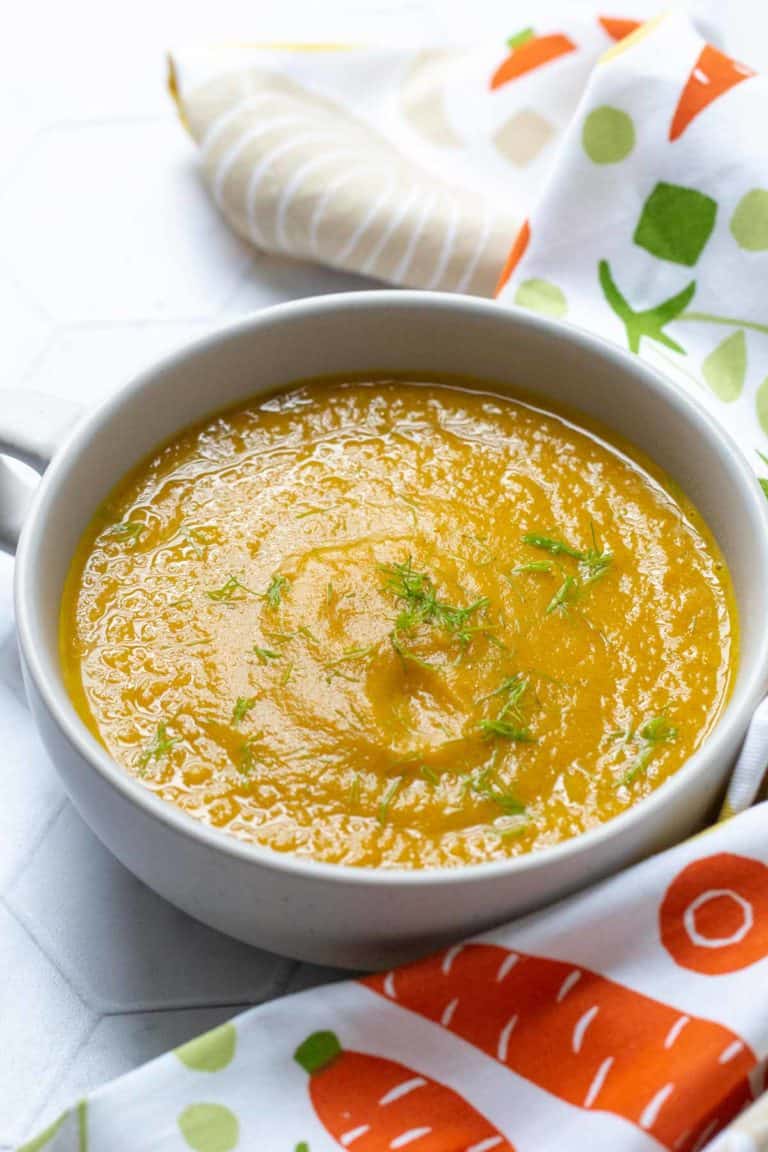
(398, 624)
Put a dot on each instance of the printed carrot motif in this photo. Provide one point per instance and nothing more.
(651, 321)
(516, 253)
(714, 918)
(371, 1104)
(712, 75)
(528, 52)
(618, 29)
(587, 1040)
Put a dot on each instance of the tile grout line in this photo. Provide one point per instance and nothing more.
(244, 1005)
(65, 1066)
(22, 923)
(17, 872)
(102, 1008)
(66, 1057)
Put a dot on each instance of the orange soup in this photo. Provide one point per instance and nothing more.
(399, 624)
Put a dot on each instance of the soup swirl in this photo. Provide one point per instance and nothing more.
(398, 624)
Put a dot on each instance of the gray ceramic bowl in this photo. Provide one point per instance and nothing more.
(327, 913)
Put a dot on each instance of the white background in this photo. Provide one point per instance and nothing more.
(111, 255)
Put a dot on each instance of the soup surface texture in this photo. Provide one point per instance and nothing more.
(398, 624)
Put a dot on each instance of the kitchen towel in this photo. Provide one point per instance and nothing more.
(632, 1017)
(614, 176)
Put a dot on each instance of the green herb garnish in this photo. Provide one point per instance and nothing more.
(265, 654)
(594, 561)
(421, 605)
(350, 654)
(287, 674)
(513, 687)
(274, 593)
(534, 566)
(658, 730)
(507, 801)
(430, 776)
(492, 728)
(489, 556)
(408, 656)
(387, 798)
(232, 589)
(653, 733)
(247, 757)
(552, 545)
(510, 833)
(242, 707)
(160, 747)
(199, 539)
(563, 595)
(495, 640)
(127, 529)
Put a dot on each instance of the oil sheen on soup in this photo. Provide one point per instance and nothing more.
(398, 624)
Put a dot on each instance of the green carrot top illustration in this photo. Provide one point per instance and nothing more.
(649, 322)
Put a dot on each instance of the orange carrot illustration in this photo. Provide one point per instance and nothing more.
(516, 253)
(714, 917)
(617, 29)
(370, 1104)
(712, 76)
(586, 1039)
(529, 51)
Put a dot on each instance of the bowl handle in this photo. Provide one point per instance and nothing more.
(31, 428)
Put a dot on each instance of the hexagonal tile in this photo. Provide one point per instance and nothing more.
(269, 280)
(117, 1045)
(121, 946)
(26, 330)
(31, 790)
(33, 997)
(129, 211)
(91, 363)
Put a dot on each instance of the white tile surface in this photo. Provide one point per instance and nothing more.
(149, 955)
(27, 339)
(130, 233)
(43, 1024)
(111, 255)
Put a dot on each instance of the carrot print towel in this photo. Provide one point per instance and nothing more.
(630, 1018)
(613, 175)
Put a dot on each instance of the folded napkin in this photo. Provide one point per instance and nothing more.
(615, 176)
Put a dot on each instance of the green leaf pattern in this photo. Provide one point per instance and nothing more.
(725, 368)
(543, 297)
(209, 1128)
(705, 223)
(761, 406)
(44, 1138)
(648, 322)
(210, 1052)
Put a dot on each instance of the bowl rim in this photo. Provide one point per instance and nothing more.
(53, 694)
